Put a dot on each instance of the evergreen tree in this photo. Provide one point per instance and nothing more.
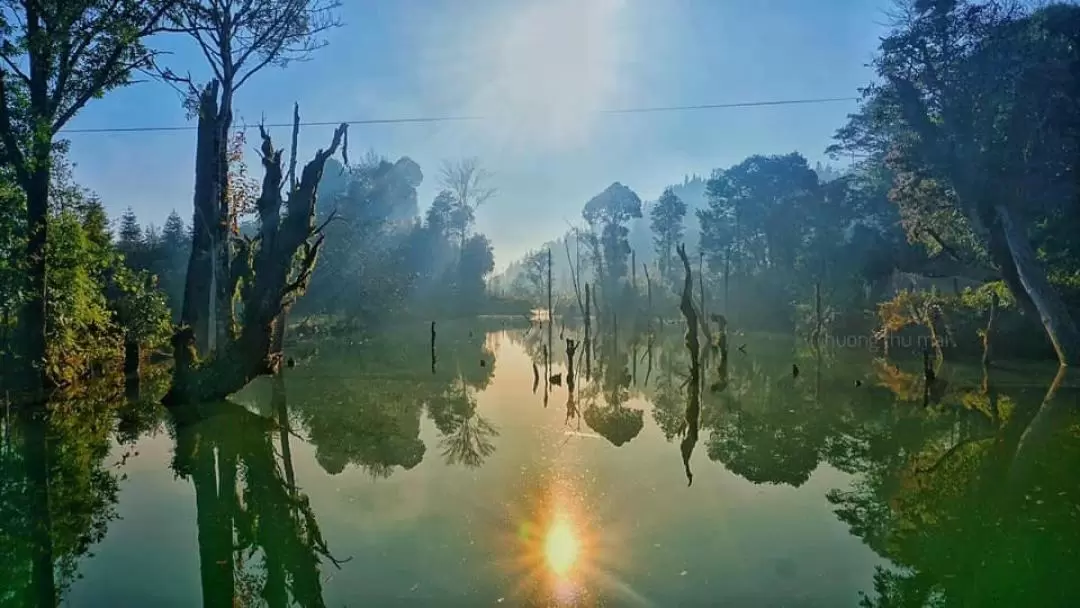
(129, 238)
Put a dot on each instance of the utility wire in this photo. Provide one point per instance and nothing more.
(435, 119)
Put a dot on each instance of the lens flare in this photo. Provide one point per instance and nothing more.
(560, 547)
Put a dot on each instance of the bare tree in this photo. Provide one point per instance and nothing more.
(469, 183)
(238, 38)
(55, 56)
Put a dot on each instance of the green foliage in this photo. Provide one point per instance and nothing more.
(757, 214)
(12, 244)
(80, 327)
(607, 214)
(61, 450)
(980, 298)
(140, 307)
(95, 299)
(667, 227)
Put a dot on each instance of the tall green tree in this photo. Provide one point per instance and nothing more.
(173, 260)
(757, 212)
(667, 227)
(57, 56)
(607, 215)
(129, 236)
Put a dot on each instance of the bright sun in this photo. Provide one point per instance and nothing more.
(560, 547)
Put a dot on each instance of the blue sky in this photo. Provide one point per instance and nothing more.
(539, 69)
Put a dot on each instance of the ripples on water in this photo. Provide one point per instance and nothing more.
(368, 477)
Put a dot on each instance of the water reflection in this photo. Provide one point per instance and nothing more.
(58, 493)
(258, 536)
(466, 437)
(560, 546)
(971, 500)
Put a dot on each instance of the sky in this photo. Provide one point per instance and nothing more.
(539, 72)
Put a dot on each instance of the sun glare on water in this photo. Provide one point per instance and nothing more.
(561, 547)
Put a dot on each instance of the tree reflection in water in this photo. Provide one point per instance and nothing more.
(465, 435)
(57, 494)
(258, 536)
(972, 501)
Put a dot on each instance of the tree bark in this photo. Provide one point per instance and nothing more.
(195, 312)
(131, 358)
(272, 282)
(35, 330)
(1030, 278)
(222, 252)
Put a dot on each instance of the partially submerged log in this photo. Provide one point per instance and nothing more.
(270, 272)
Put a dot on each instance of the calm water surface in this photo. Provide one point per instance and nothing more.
(368, 477)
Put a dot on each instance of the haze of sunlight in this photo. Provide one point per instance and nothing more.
(546, 71)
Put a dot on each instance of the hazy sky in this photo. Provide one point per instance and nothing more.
(540, 69)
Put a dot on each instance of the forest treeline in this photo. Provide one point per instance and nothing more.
(967, 148)
(957, 216)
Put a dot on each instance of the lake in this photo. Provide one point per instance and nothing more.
(370, 475)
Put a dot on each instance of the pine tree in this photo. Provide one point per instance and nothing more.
(171, 264)
(175, 237)
(129, 239)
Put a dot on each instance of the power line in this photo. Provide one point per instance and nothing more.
(434, 119)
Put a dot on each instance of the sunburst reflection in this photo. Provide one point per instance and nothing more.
(560, 546)
(564, 551)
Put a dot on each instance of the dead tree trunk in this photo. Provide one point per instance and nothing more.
(686, 305)
(221, 251)
(817, 315)
(701, 282)
(648, 287)
(282, 320)
(727, 274)
(274, 269)
(574, 274)
(551, 311)
(588, 332)
(195, 312)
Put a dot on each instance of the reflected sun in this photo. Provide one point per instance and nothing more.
(560, 547)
